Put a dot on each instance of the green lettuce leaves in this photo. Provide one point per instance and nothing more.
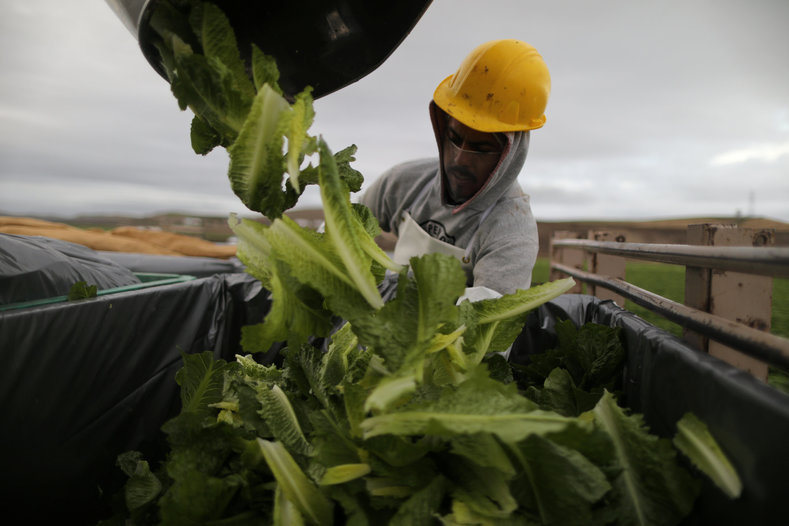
(652, 487)
(406, 413)
(241, 110)
(694, 439)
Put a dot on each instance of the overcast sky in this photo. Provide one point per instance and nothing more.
(677, 108)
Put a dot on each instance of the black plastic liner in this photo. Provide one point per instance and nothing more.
(664, 379)
(84, 381)
(35, 267)
(198, 267)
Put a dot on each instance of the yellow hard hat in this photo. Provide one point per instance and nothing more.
(502, 85)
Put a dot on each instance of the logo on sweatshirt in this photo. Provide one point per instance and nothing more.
(437, 230)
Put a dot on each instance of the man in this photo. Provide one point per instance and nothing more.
(467, 203)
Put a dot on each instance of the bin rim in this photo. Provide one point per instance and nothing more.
(147, 280)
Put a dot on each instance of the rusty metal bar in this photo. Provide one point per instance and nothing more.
(766, 261)
(764, 346)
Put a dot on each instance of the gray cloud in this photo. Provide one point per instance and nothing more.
(644, 97)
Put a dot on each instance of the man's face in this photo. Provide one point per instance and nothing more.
(469, 158)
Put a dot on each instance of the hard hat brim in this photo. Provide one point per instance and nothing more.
(466, 113)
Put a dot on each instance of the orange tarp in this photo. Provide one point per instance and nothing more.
(121, 239)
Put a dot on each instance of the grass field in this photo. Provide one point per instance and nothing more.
(669, 282)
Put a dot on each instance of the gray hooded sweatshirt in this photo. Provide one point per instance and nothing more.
(504, 244)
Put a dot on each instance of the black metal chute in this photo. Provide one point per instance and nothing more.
(317, 43)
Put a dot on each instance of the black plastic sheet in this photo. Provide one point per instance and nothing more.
(35, 268)
(84, 381)
(664, 379)
(199, 267)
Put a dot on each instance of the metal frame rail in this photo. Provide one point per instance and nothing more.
(764, 346)
(766, 261)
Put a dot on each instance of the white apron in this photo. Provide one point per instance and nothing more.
(413, 241)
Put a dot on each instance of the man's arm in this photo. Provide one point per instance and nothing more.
(506, 267)
(507, 247)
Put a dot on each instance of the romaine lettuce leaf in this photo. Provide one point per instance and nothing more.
(207, 87)
(264, 70)
(403, 330)
(342, 351)
(343, 473)
(653, 489)
(312, 261)
(477, 405)
(219, 43)
(281, 419)
(256, 162)
(565, 485)
(559, 393)
(203, 137)
(201, 380)
(285, 512)
(495, 323)
(143, 486)
(484, 449)
(299, 143)
(295, 485)
(694, 439)
(520, 302)
(296, 312)
(485, 491)
(342, 230)
(389, 390)
(572, 377)
(422, 506)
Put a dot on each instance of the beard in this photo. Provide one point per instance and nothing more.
(461, 184)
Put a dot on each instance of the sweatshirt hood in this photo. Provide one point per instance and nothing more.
(501, 178)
